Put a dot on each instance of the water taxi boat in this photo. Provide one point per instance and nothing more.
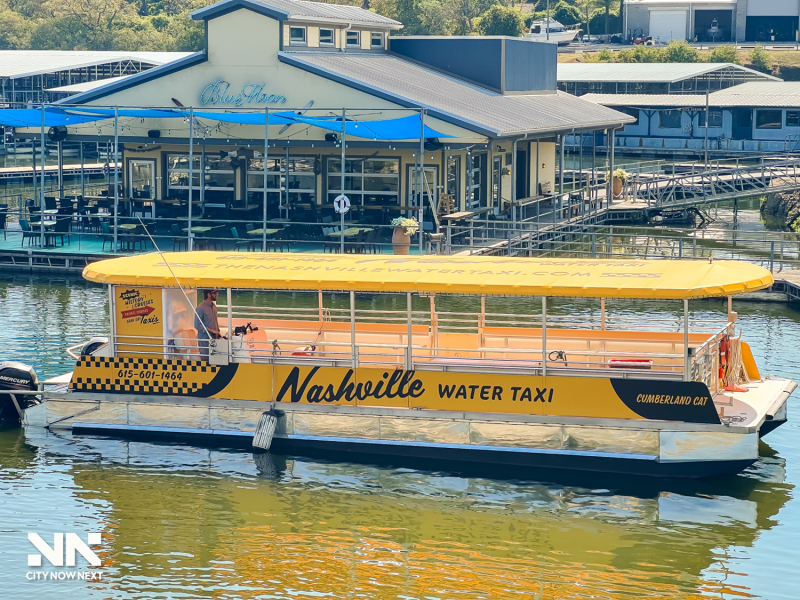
(421, 374)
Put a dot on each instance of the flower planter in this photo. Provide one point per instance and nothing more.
(616, 187)
(401, 243)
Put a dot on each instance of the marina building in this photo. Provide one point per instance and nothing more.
(769, 21)
(351, 110)
(753, 117)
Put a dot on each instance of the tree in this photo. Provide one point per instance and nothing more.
(566, 14)
(724, 54)
(606, 4)
(97, 18)
(586, 6)
(502, 20)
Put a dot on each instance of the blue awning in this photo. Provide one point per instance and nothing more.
(32, 117)
(403, 128)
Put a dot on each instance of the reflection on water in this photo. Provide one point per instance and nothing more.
(190, 522)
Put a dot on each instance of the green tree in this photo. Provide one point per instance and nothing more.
(566, 14)
(679, 51)
(597, 21)
(724, 54)
(502, 20)
(607, 5)
(15, 31)
(760, 59)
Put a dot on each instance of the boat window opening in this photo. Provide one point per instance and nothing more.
(631, 112)
(669, 119)
(297, 36)
(768, 119)
(792, 118)
(376, 39)
(354, 38)
(483, 334)
(326, 37)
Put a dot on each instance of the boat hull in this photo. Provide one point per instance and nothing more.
(428, 437)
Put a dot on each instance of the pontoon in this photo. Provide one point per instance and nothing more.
(431, 378)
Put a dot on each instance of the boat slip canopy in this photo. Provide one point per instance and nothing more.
(473, 275)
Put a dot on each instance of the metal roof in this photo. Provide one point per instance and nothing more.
(646, 72)
(77, 88)
(300, 10)
(760, 93)
(24, 63)
(757, 94)
(648, 100)
(454, 100)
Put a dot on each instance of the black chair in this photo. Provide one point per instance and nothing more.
(27, 232)
(60, 230)
(50, 203)
(3, 217)
(178, 239)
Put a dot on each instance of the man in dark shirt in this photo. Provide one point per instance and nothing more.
(206, 322)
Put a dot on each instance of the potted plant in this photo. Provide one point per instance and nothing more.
(401, 236)
(620, 177)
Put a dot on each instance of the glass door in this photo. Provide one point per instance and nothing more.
(142, 179)
(430, 196)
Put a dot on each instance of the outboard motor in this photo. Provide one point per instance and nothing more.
(93, 345)
(15, 376)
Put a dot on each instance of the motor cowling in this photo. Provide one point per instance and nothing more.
(18, 376)
(93, 345)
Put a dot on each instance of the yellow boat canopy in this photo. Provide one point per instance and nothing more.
(474, 275)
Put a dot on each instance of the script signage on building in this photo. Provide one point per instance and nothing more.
(220, 93)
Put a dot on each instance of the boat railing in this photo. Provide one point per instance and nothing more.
(706, 359)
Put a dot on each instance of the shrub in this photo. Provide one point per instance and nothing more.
(605, 55)
(724, 54)
(760, 59)
(502, 20)
(679, 51)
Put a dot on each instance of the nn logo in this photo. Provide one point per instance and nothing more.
(58, 556)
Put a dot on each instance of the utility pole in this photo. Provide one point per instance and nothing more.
(547, 23)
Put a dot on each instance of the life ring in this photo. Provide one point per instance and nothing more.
(341, 204)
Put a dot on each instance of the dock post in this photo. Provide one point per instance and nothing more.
(60, 148)
(686, 355)
(771, 255)
(694, 247)
(680, 247)
(611, 241)
(341, 214)
(422, 179)
(83, 181)
(594, 244)
(116, 176)
(189, 238)
(41, 188)
(264, 206)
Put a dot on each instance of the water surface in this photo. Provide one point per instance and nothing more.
(187, 522)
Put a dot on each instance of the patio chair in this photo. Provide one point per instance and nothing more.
(27, 232)
(60, 230)
(248, 245)
(178, 237)
(3, 217)
(107, 236)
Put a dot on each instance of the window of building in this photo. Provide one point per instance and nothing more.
(370, 182)
(297, 36)
(669, 119)
(714, 118)
(453, 181)
(354, 38)
(287, 182)
(377, 39)
(326, 37)
(769, 119)
(792, 118)
(218, 175)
